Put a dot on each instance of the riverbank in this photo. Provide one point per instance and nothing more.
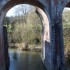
(19, 51)
(22, 47)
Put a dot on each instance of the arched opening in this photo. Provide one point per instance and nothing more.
(45, 21)
(24, 36)
(66, 34)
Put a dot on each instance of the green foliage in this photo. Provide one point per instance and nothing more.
(25, 29)
(66, 19)
(66, 29)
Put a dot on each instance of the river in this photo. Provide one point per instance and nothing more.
(25, 60)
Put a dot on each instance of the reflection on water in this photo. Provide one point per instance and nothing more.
(25, 61)
(67, 62)
(15, 56)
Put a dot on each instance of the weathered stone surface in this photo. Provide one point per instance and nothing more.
(52, 33)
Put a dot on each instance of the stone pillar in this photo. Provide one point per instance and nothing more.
(2, 56)
(57, 36)
(58, 48)
(4, 43)
(46, 43)
(6, 54)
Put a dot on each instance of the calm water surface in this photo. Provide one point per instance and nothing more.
(25, 61)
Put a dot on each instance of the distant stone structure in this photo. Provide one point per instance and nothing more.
(50, 12)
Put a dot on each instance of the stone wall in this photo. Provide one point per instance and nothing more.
(54, 49)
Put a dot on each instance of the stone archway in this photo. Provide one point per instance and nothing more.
(46, 32)
(55, 59)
